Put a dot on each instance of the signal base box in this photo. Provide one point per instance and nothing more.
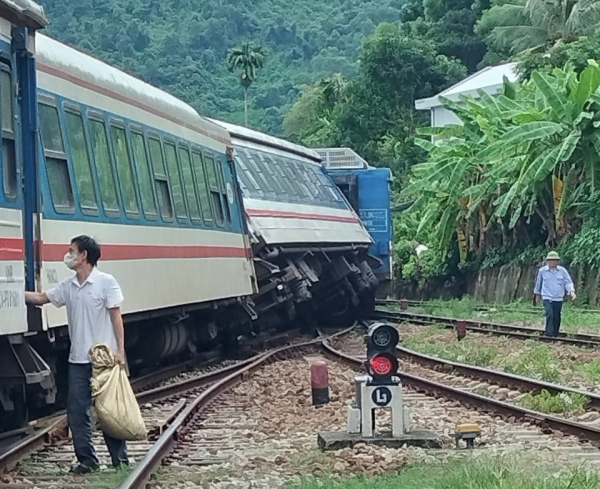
(340, 440)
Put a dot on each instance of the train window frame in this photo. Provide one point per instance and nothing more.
(214, 191)
(73, 109)
(58, 158)
(292, 192)
(298, 173)
(256, 188)
(202, 184)
(138, 131)
(184, 147)
(267, 188)
(173, 179)
(161, 180)
(223, 185)
(119, 124)
(10, 175)
(96, 117)
(287, 167)
(266, 162)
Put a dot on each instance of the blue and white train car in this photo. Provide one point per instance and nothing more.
(137, 169)
(309, 244)
(367, 188)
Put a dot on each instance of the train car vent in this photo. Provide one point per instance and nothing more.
(338, 158)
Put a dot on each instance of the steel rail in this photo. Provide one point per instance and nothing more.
(503, 379)
(522, 332)
(142, 472)
(502, 408)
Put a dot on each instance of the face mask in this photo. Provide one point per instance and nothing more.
(70, 260)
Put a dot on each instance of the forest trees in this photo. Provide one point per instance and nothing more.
(247, 59)
(373, 113)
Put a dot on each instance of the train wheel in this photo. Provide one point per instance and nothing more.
(337, 313)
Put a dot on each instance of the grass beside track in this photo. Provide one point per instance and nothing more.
(561, 365)
(574, 317)
(487, 472)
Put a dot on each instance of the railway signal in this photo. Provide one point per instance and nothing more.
(382, 364)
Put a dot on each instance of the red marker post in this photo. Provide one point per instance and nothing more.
(403, 305)
(461, 329)
(319, 382)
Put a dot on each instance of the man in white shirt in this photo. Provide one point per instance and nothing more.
(93, 300)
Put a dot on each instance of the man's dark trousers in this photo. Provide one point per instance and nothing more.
(553, 310)
(79, 403)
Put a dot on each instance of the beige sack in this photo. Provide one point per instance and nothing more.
(116, 407)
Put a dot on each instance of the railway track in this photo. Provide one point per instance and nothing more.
(521, 332)
(460, 382)
(195, 425)
(167, 397)
(497, 307)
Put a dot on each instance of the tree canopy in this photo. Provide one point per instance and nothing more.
(181, 45)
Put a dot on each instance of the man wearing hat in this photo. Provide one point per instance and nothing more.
(552, 284)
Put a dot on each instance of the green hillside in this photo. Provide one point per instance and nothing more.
(181, 45)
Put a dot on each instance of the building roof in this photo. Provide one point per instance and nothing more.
(490, 80)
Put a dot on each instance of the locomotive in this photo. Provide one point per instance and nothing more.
(214, 232)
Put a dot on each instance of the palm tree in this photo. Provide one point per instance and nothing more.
(247, 58)
(521, 25)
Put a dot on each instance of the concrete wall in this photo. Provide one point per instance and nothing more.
(501, 284)
(513, 282)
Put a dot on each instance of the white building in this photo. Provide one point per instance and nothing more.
(489, 80)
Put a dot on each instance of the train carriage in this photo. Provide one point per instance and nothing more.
(145, 175)
(308, 242)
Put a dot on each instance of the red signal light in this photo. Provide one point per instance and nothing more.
(381, 364)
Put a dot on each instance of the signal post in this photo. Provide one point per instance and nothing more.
(380, 388)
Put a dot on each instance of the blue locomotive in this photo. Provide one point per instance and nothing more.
(368, 190)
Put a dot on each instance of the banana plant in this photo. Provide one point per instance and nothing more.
(534, 149)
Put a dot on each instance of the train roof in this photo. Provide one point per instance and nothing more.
(54, 56)
(246, 134)
(24, 12)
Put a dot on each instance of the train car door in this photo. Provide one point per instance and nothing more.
(13, 312)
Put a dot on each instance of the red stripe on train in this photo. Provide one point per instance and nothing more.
(299, 215)
(12, 249)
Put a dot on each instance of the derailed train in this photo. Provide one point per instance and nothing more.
(213, 231)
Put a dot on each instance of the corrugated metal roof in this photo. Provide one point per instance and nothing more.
(489, 79)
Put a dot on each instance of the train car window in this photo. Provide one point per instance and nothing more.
(303, 171)
(245, 184)
(175, 178)
(188, 180)
(317, 183)
(245, 173)
(213, 185)
(202, 186)
(221, 175)
(106, 177)
(56, 159)
(267, 164)
(80, 160)
(297, 179)
(262, 178)
(140, 157)
(9, 159)
(283, 178)
(124, 170)
(160, 178)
